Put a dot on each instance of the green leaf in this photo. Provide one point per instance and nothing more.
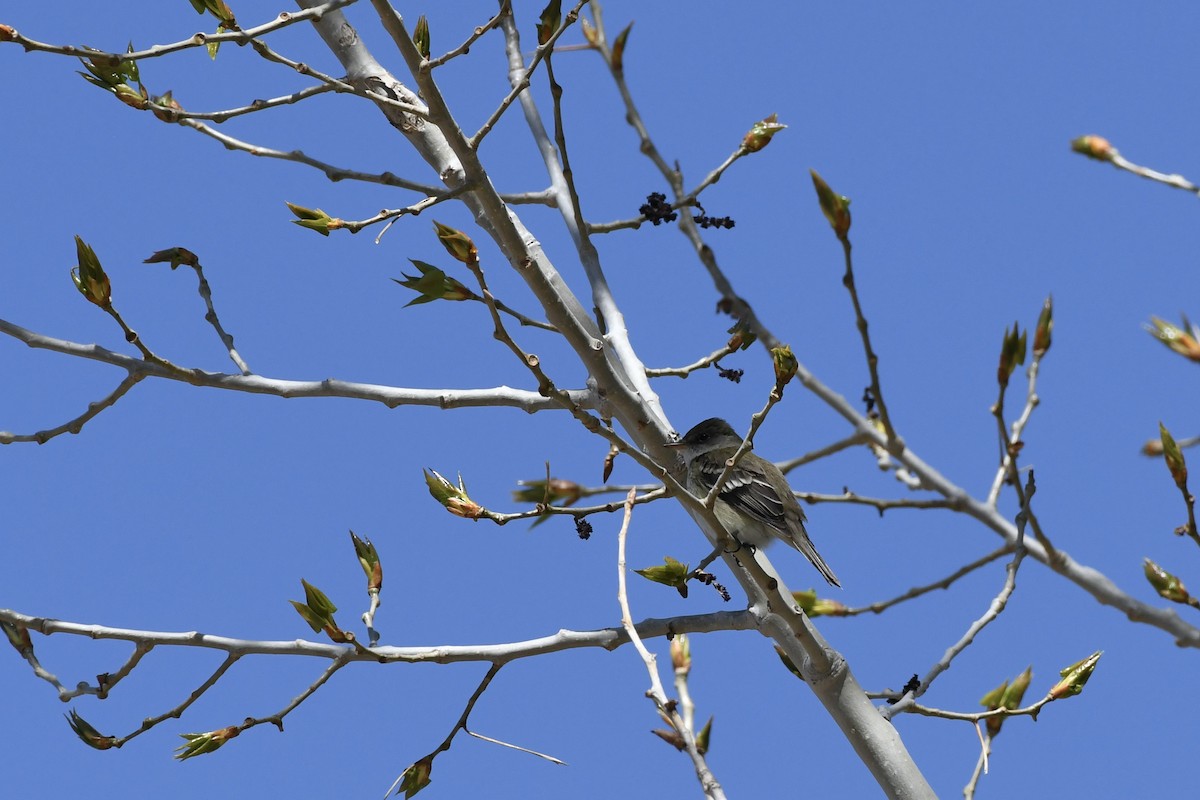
(89, 277)
(1075, 676)
(457, 243)
(421, 36)
(1045, 328)
(416, 777)
(368, 559)
(549, 21)
(618, 49)
(1174, 457)
(198, 744)
(834, 206)
(174, 256)
(671, 573)
(89, 735)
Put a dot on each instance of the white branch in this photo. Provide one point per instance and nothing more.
(390, 396)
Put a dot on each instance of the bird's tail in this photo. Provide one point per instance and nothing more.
(805, 545)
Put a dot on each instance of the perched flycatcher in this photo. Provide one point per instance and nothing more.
(755, 502)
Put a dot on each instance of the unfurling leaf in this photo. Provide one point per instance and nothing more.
(761, 132)
(834, 206)
(18, 637)
(314, 219)
(90, 736)
(551, 491)
(368, 559)
(1012, 354)
(815, 606)
(1045, 328)
(742, 337)
(589, 32)
(199, 744)
(421, 36)
(1167, 585)
(787, 662)
(1075, 676)
(704, 737)
(1174, 457)
(549, 21)
(671, 573)
(1096, 147)
(618, 49)
(785, 365)
(174, 256)
(1006, 695)
(681, 654)
(168, 105)
(457, 243)
(416, 777)
(89, 277)
(317, 610)
(1183, 339)
(454, 498)
(433, 284)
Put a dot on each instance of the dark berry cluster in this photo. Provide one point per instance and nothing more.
(705, 221)
(734, 375)
(708, 579)
(656, 209)
(913, 684)
(583, 528)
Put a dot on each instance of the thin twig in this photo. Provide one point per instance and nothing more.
(172, 114)
(562, 640)
(944, 583)
(211, 316)
(574, 511)
(298, 156)
(708, 782)
(994, 610)
(895, 444)
(177, 711)
(336, 84)
(522, 83)
(853, 440)
(276, 719)
(463, 48)
(76, 424)
(683, 372)
(880, 504)
(391, 396)
(239, 37)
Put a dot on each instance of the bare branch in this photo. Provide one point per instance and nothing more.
(944, 583)
(853, 440)
(996, 608)
(606, 638)
(177, 711)
(172, 114)
(391, 396)
(683, 372)
(880, 504)
(667, 709)
(76, 425)
(463, 48)
(298, 156)
(239, 37)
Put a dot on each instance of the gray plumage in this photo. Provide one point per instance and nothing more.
(755, 502)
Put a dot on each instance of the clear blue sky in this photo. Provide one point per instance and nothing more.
(197, 509)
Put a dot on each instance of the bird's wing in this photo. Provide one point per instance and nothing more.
(748, 490)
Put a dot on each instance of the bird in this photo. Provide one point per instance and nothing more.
(755, 502)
